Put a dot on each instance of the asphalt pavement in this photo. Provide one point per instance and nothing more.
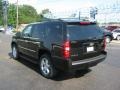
(23, 75)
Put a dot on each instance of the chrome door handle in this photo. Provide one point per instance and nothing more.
(26, 41)
(36, 42)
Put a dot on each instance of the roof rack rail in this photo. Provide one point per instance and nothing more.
(69, 20)
(49, 19)
(78, 19)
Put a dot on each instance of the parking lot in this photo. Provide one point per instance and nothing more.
(23, 75)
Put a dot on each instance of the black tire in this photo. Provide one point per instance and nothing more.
(15, 53)
(47, 70)
(108, 39)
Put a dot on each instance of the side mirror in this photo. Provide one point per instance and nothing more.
(18, 34)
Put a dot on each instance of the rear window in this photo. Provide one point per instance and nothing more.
(83, 31)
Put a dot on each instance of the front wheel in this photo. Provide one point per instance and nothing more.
(15, 53)
(46, 67)
(108, 39)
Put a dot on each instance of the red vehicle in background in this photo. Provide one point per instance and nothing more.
(111, 28)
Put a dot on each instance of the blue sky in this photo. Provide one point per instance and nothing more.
(63, 5)
(66, 7)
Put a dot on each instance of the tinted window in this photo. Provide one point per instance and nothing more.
(38, 31)
(83, 31)
(117, 31)
(54, 31)
(27, 31)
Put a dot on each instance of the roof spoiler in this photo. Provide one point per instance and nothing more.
(81, 23)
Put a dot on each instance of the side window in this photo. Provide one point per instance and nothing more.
(117, 31)
(54, 31)
(38, 31)
(27, 31)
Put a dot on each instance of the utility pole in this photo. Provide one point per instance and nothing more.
(5, 18)
(79, 15)
(17, 20)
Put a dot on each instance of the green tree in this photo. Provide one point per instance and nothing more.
(40, 17)
(1, 13)
(27, 14)
(46, 13)
(12, 14)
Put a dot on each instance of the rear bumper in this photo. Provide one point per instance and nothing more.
(87, 62)
(68, 65)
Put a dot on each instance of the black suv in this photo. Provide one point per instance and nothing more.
(60, 45)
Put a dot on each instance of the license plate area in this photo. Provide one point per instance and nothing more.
(90, 49)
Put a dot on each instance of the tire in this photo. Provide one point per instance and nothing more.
(15, 53)
(46, 67)
(108, 39)
(118, 37)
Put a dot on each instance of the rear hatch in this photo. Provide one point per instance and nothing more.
(86, 40)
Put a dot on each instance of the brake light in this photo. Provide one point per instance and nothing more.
(66, 49)
(84, 23)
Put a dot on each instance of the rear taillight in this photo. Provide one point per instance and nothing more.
(84, 23)
(104, 43)
(66, 49)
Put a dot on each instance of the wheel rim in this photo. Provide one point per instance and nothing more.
(45, 66)
(107, 39)
(14, 52)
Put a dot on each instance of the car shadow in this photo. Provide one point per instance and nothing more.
(69, 75)
(61, 75)
(28, 64)
(10, 55)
